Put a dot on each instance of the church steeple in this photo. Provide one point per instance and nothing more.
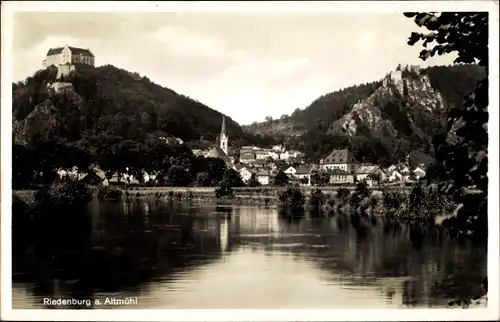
(223, 138)
(223, 127)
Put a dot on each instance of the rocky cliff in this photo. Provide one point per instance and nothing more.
(385, 119)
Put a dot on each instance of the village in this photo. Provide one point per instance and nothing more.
(338, 168)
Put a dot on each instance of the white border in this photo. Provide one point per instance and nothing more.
(8, 8)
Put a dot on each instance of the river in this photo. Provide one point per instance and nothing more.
(168, 255)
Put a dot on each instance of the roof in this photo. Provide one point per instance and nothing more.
(74, 50)
(338, 172)
(260, 162)
(303, 169)
(367, 169)
(262, 173)
(339, 156)
(239, 166)
(249, 156)
(223, 127)
(216, 152)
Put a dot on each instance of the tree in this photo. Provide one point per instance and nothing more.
(233, 178)
(281, 179)
(225, 189)
(203, 179)
(253, 182)
(178, 177)
(464, 154)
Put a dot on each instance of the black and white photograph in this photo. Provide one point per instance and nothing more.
(250, 160)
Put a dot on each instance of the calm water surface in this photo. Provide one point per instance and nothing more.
(170, 255)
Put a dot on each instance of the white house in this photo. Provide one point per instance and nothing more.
(284, 156)
(273, 155)
(245, 174)
(340, 176)
(304, 172)
(263, 177)
(419, 173)
(261, 155)
(395, 175)
(340, 159)
(247, 158)
(365, 171)
(73, 173)
(277, 148)
(391, 168)
(290, 171)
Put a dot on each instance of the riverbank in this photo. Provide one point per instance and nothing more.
(266, 195)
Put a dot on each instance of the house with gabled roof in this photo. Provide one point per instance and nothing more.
(419, 172)
(68, 55)
(340, 159)
(263, 176)
(260, 163)
(304, 174)
(366, 172)
(247, 157)
(290, 171)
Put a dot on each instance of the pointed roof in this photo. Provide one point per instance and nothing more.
(217, 152)
(74, 50)
(223, 127)
(339, 156)
(303, 169)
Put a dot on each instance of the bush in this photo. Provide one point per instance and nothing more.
(343, 195)
(291, 197)
(224, 189)
(62, 197)
(109, 193)
(316, 198)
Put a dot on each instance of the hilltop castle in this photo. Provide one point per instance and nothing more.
(68, 56)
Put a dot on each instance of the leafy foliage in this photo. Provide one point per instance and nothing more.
(463, 156)
(291, 198)
(317, 198)
(281, 179)
(225, 189)
(116, 120)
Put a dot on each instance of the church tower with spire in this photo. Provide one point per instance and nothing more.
(223, 139)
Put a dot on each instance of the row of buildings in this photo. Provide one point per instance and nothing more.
(303, 174)
(338, 167)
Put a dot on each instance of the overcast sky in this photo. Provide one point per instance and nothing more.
(245, 65)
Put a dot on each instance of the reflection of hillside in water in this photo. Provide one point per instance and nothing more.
(129, 245)
(402, 261)
(173, 255)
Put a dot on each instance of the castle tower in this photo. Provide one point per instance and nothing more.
(223, 139)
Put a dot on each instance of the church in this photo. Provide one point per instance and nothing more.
(221, 148)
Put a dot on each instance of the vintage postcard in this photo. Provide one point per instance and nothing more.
(250, 161)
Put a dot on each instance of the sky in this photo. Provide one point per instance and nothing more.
(245, 65)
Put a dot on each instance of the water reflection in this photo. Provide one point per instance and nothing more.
(172, 255)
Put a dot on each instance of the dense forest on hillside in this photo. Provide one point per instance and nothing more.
(114, 119)
(310, 129)
(112, 101)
